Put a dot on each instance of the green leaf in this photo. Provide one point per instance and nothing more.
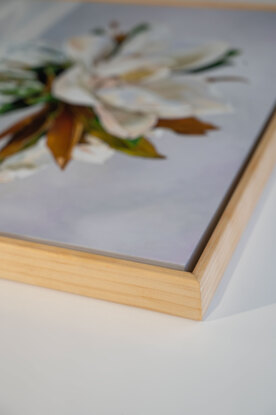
(223, 61)
(29, 92)
(40, 99)
(21, 91)
(125, 37)
(142, 27)
(12, 106)
(98, 31)
(43, 72)
(233, 52)
(133, 143)
(140, 148)
(92, 122)
(25, 103)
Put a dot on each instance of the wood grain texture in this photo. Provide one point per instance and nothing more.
(222, 243)
(127, 282)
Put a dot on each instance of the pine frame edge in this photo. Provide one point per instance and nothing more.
(221, 245)
(152, 287)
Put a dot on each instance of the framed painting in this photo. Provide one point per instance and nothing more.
(134, 143)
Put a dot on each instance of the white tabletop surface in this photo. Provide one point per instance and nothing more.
(62, 354)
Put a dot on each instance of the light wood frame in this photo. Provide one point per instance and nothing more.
(176, 292)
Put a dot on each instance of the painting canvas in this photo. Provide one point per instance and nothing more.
(123, 127)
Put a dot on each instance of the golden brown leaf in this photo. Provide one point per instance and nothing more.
(25, 132)
(143, 148)
(63, 135)
(85, 115)
(190, 125)
(25, 122)
(120, 38)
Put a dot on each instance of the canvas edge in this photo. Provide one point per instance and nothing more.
(220, 247)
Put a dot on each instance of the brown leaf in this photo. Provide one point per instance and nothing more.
(25, 132)
(143, 148)
(85, 115)
(25, 122)
(63, 135)
(120, 38)
(190, 125)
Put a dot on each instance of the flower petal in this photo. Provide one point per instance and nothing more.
(173, 97)
(150, 41)
(199, 57)
(145, 74)
(71, 87)
(125, 124)
(88, 48)
(121, 65)
(25, 163)
(141, 99)
(201, 97)
(92, 151)
(31, 54)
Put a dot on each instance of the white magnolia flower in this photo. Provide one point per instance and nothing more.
(35, 158)
(131, 89)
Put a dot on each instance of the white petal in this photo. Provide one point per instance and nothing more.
(25, 163)
(201, 97)
(21, 88)
(173, 97)
(94, 151)
(32, 54)
(138, 76)
(72, 87)
(121, 65)
(147, 42)
(88, 48)
(137, 99)
(10, 71)
(125, 124)
(199, 57)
